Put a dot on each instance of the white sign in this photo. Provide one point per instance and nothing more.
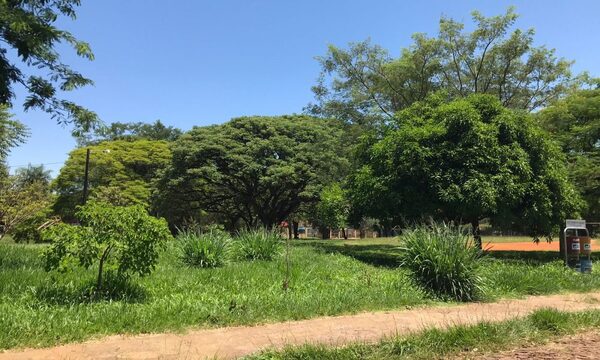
(577, 224)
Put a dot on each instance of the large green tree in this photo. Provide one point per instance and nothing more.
(12, 132)
(27, 30)
(121, 173)
(466, 160)
(575, 123)
(130, 131)
(251, 170)
(363, 84)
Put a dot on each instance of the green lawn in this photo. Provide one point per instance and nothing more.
(40, 309)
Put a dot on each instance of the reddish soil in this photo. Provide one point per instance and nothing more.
(529, 246)
(581, 346)
(239, 341)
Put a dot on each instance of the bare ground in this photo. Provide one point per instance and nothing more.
(234, 342)
(581, 346)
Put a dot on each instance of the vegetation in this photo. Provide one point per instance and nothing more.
(465, 160)
(575, 123)
(258, 244)
(39, 309)
(122, 240)
(444, 260)
(365, 85)
(121, 173)
(483, 338)
(251, 171)
(208, 249)
(28, 28)
(130, 131)
(12, 132)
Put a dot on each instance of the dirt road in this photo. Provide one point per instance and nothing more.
(233, 342)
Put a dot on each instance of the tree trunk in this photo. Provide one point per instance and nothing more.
(362, 233)
(295, 226)
(476, 233)
(100, 266)
(561, 239)
(325, 233)
(290, 230)
(344, 234)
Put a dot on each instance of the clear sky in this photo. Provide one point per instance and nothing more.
(192, 62)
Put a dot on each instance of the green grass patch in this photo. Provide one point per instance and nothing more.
(41, 309)
(486, 337)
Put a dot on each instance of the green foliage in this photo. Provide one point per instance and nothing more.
(33, 174)
(124, 239)
(332, 209)
(257, 244)
(12, 132)
(444, 260)
(121, 173)
(575, 123)
(466, 160)
(208, 249)
(28, 27)
(252, 170)
(131, 132)
(364, 84)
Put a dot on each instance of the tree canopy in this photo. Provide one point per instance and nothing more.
(12, 132)
(465, 160)
(27, 30)
(364, 84)
(121, 173)
(575, 123)
(251, 170)
(130, 131)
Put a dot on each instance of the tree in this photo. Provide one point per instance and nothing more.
(466, 160)
(254, 170)
(121, 172)
(131, 132)
(331, 212)
(125, 240)
(20, 202)
(575, 123)
(12, 132)
(27, 28)
(365, 85)
(33, 174)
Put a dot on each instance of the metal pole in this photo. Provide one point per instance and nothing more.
(85, 177)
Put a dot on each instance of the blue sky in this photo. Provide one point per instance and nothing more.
(204, 62)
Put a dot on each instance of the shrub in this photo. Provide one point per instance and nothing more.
(443, 260)
(122, 240)
(209, 249)
(258, 244)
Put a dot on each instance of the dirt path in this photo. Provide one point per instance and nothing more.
(529, 246)
(581, 346)
(238, 341)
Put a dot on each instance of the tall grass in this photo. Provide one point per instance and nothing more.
(209, 249)
(259, 244)
(443, 259)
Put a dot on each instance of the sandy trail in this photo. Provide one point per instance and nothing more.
(234, 342)
(529, 246)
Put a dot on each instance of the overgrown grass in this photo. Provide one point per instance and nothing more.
(472, 340)
(209, 249)
(41, 309)
(257, 244)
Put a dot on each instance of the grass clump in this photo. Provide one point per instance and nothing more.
(443, 260)
(479, 339)
(257, 244)
(204, 250)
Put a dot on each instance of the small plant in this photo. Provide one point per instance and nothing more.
(122, 240)
(258, 244)
(209, 249)
(443, 259)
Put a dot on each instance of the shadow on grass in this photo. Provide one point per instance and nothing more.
(71, 293)
(376, 255)
(535, 257)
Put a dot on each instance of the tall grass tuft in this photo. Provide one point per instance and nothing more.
(257, 244)
(443, 260)
(209, 249)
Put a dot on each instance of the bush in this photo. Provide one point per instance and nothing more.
(257, 245)
(443, 260)
(122, 240)
(209, 249)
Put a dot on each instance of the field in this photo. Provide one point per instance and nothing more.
(327, 278)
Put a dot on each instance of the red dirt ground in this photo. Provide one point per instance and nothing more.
(528, 246)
